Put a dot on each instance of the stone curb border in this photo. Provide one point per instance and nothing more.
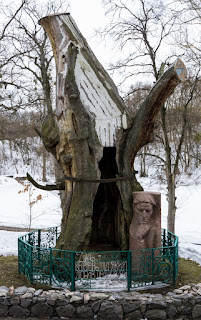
(183, 303)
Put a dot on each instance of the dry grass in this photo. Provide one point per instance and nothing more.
(9, 273)
(189, 272)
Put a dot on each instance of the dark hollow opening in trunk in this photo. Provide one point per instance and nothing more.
(105, 220)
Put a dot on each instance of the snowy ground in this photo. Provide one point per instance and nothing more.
(188, 215)
(24, 206)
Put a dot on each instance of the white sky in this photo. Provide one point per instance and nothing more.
(87, 13)
(90, 15)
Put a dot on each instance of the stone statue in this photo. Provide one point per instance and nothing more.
(145, 228)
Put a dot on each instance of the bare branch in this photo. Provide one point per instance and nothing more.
(47, 187)
(140, 134)
(13, 17)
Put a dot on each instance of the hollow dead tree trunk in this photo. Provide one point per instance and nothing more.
(92, 136)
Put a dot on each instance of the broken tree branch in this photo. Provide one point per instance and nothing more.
(47, 187)
(142, 129)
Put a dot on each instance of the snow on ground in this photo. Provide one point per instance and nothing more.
(22, 205)
(188, 214)
(8, 242)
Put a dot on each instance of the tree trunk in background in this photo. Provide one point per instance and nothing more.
(92, 136)
(171, 204)
(170, 177)
(143, 171)
(44, 165)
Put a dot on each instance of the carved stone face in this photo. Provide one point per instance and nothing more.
(143, 211)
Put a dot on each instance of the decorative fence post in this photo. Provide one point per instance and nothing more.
(29, 238)
(50, 266)
(20, 257)
(39, 238)
(72, 271)
(30, 263)
(175, 261)
(39, 243)
(129, 262)
(152, 265)
(56, 233)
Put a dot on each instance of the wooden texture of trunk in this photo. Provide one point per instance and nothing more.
(93, 136)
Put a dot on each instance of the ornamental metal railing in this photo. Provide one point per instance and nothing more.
(41, 263)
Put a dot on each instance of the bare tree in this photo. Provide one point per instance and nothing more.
(95, 140)
(10, 19)
(27, 77)
(147, 31)
(189, 17)
(26, 58)
(142, 30)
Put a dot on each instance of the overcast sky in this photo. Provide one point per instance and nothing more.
(90, 15)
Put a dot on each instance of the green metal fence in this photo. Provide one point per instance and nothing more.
(76, 270)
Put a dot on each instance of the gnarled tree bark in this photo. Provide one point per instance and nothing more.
(92, 136)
